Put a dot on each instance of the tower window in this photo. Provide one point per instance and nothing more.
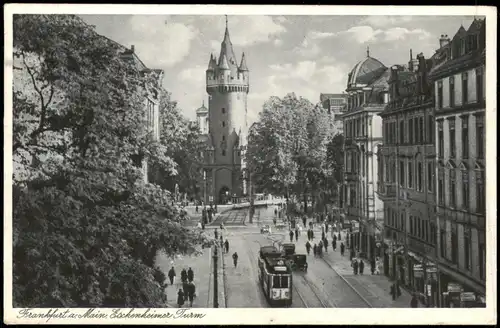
(223, 111)
(223, 152)
(223, 138)
(223, 123)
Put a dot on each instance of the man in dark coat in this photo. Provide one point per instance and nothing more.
(191, 293)
(361, 266)
(296, 234)
(226, 244)
(372, 265)
(171, 275)
(414, 301)
(325, 243)
(315, 250)
(185, 290)
(291, 235)
(342, 249)
(334, 245)
(304, 220)
(235, 259)
(308, 247)
(190, 275)
(184, 275)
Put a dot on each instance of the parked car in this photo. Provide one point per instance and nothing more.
(264, 229)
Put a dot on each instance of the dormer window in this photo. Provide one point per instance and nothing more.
(462, 47)
(472, 42)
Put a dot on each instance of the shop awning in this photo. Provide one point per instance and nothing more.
(463, 280)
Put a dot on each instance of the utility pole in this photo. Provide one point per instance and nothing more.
(216, 289)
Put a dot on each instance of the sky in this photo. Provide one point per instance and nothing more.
(308, 55)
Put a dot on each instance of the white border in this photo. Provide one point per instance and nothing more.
(273, 316)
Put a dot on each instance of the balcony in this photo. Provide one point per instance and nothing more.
(387, 190)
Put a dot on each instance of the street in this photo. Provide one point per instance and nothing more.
(328, 282)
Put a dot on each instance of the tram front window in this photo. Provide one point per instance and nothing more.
(280, 282)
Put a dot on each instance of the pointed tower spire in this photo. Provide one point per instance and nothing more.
(243, 64)
(368, 51)
(411, 54)
(227, 50)
(210, 62)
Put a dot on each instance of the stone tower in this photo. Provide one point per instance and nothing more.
(227, 86)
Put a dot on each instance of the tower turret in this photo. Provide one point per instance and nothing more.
(243, 64)
(223, 63)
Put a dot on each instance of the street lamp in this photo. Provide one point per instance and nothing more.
(204, 187)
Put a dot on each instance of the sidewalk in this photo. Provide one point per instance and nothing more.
(203, 278)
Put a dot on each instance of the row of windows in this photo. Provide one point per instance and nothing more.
(465, 89)
(356, 127)
(465, 185)
(422, 229)
(465, 45)
(414, 130)
(480, 135)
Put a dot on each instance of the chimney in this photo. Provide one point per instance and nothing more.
(132, 48)
(444, 40)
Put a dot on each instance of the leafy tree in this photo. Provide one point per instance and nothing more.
(288, 149)
(86, 230)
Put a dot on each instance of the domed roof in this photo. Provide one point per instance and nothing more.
(202, 109)
(366, 71)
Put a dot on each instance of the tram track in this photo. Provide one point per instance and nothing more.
(312, 289)
(365, 301)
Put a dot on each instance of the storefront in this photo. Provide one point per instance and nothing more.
(394, 261)
(423, 279)
(460, 294)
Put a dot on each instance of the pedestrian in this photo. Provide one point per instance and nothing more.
(196, 208)
(393, 291)
(361, 266)
(315, 250)
(377, 266)
(216, 233)
(304, 220)
(326, 227)
(291, 235)
(180, 298)
(221, 243)
(190, 274)
(342, 248)
(414, 301)
(355, 266)
(308, 247)
(335, 237)
(185, 289)
(235, 259)
(171, 275)
(296, 234)
(398, 289)
(320, 248)
(203, 225)
(184, 275)
(274, 221)
(334, 245)
(340, 235)
(372, 266)
(227, 246)
(275, 212)
(323, 235)
(326, 245)
(300, 229)
(191, 293)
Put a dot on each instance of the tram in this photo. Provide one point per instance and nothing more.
(275, 276)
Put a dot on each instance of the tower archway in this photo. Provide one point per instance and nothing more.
(224, 195)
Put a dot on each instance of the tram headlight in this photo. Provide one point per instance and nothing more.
(276, 293)
(286, 294)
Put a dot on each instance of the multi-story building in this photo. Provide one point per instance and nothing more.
(406, 179)
(151, 99)
(227, 84)
(459, 81)
(335, 104)
(367, 90)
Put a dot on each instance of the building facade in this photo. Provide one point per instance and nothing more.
(151, 99)
(227, 85)
(336, 105)
(459, 88)
(367, 90)
(406, 181)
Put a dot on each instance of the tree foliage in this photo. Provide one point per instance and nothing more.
(86, 229)
(184, 146)
(291, 147)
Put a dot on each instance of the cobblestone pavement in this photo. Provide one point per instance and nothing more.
(202, 266)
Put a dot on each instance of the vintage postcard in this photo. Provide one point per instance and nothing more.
(168, 164)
